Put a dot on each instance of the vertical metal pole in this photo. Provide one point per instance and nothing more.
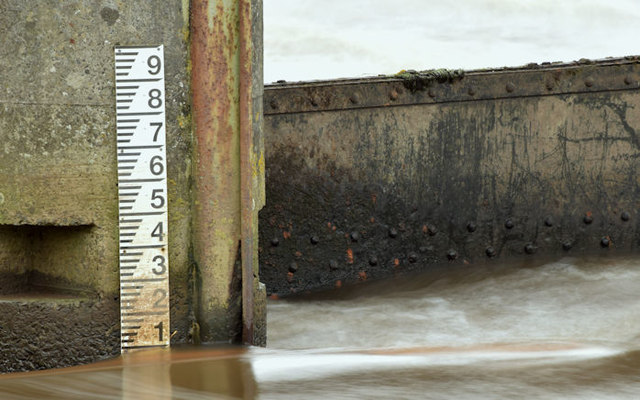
(227, 169)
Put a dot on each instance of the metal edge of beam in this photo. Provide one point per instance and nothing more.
(423, 88)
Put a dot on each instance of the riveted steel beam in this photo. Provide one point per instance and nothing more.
(441, 86)
(370, 178)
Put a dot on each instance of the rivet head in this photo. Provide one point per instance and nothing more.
(393, 95)
(490, 251)
(275, 242)
(333, 265)
(509, 224)
(471, 227)
(1, 198)
(432, 230)
(587, 219)
(625, 216)
(548, 221)
(471, 91)
(315, 101)
(549, 85)
(413, 257)
(393, 233)
(355, 236)
(566, 246)
(431, 93)
(452, 254)
(354, 98)
(605, 241)
(588, 82)
(274, 104)
(529, 248)
(293, 267)
(373, 261)
(510, 87)
(628, 80)
(314, 239)
(426, 249)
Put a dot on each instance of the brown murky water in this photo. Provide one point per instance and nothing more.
(561, 330)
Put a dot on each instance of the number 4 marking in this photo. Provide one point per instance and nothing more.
(158, 231)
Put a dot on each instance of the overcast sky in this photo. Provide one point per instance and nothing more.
(325, 39)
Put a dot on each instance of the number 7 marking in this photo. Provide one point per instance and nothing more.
(159, 126)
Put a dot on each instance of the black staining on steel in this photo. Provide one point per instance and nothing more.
(436, 178)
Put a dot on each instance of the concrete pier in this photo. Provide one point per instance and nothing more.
(59, 273)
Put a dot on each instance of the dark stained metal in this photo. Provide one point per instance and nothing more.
(539, 161)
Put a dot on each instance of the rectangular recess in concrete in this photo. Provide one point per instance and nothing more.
(37, 260)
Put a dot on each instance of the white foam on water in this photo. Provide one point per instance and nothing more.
(303, 365)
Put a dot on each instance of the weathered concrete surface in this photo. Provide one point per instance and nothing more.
(85, 325)
(58, 201)
(367, 179)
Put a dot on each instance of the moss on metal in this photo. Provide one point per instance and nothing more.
(421, 80)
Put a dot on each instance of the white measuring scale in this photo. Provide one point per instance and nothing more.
(142, 194)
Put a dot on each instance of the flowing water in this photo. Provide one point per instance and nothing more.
(563, 330)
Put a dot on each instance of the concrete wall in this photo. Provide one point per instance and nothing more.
(58, 194)
(377, 177)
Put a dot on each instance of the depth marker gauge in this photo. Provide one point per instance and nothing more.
(142, 197)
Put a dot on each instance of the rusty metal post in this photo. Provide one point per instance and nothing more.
(228, 174)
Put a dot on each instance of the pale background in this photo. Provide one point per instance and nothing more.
(325, 39)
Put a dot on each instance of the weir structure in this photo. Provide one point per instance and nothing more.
(365, 178)
(369, 178)
(59, 273)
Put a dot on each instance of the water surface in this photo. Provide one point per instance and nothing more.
(564, 330)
